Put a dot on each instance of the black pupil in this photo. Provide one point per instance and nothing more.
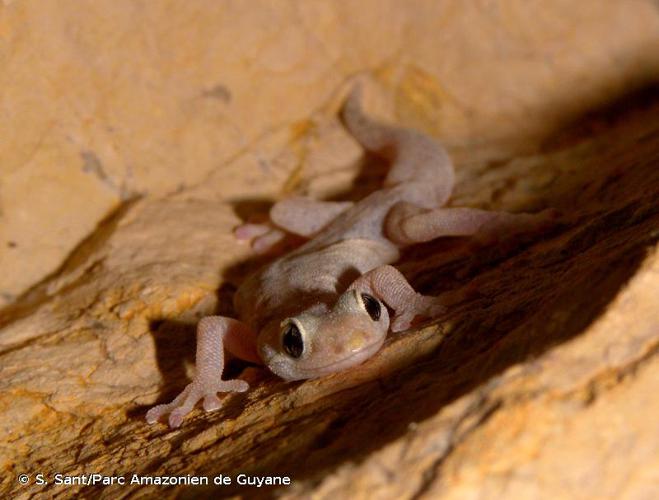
(372, 306)
(292, 341)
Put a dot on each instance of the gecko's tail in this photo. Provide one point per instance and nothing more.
(371, 134)
(414, 156)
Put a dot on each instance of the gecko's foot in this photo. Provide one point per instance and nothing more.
(518, 224)
(194, 392)
(423, 308)
(249, 231)
(264, 237)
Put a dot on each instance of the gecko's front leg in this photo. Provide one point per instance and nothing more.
(296, 215)
(388, 284)
(214, 334)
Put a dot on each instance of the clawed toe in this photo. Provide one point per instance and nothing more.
(263, 237)
(401, 323)
(249, 231)
(185, 402)
(212, 402)
(176, 417)
(236, 386)
(268, 241)
(154, 414)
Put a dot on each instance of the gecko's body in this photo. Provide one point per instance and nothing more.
(320, 308)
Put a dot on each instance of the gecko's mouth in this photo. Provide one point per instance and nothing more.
(293, 371)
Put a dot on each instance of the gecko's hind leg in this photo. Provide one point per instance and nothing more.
(301, 216)
(407, 223)
(214, 334)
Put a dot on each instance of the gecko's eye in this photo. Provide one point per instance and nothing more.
(291, 341)
(372, 306)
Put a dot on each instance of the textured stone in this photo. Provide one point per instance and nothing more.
(136, 136)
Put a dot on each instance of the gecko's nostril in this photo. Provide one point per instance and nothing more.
(357, 341)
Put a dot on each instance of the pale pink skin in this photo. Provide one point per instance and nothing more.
(318, 286)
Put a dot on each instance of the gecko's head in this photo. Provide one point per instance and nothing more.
(321, 341)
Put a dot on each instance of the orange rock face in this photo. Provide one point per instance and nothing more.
(134, 137)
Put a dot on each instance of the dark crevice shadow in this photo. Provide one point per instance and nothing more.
(603, 251)
(361, 420)
(576, 128)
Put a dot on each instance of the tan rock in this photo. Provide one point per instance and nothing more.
(136, 136)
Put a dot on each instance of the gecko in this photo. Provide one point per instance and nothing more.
(328, 305)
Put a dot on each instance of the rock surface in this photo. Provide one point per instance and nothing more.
(136, 136)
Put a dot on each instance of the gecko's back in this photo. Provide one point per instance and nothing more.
(313, 274)
(355, 242)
